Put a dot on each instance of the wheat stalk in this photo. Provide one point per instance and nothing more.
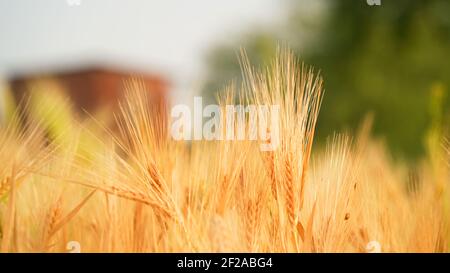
(5, 186)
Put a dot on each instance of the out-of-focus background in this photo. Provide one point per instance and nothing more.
(389, 60)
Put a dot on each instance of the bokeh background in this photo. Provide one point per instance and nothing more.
(389, 61)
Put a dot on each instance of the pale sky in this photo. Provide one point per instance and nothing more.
(169, 37)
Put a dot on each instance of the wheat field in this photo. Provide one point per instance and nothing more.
(132, 188)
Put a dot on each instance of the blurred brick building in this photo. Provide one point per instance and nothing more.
(93, 87)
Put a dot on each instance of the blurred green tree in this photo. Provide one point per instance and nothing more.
(383, 60)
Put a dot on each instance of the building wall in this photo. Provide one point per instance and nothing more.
(92, 89)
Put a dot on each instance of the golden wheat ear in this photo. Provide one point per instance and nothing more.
(24, 149)
(297, 90)
(139, 159)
